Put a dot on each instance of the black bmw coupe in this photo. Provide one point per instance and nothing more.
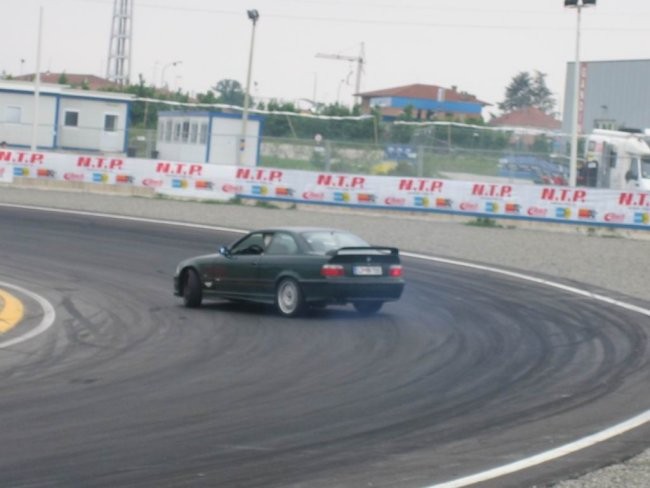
(294, 268)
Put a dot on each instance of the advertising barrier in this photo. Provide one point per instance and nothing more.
(6, 174)
(589, 206)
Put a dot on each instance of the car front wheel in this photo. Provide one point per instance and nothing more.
(288, 297)
(192, 294)
(368, 308)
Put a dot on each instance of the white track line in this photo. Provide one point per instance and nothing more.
(49, 316)
(489, 474)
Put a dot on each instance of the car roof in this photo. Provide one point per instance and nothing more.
(299, 229)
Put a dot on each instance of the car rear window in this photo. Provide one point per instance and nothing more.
(321, 242)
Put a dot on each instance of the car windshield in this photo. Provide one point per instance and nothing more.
(322, 242)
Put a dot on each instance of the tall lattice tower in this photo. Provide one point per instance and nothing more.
(118, 68)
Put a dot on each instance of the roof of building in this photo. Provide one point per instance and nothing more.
(55, 89)
(91, 81)
(527, 117)
(428, 92)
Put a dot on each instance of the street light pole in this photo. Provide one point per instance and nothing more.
(37, 82)
(253, 15)
(164, 70)
(573, 162)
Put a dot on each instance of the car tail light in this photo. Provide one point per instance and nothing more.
(332, 270)
(395, 271)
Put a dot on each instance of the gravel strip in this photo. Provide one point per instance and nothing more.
(606, 261)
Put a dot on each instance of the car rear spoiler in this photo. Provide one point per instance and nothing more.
(360, 250)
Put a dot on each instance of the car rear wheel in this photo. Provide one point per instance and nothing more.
(368, 308)
(192, 294)
(288, 297)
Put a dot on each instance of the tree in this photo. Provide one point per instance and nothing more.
(528, 91)
(230, 92)
(207, 97)
(542, 96)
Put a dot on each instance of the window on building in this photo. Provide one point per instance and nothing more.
(168, 131)
(110, 122)
(177, 132)
(13, 115)
(71, 118)
(161, 130)
(203, 135)
(186, 131)
(194, 132)
(608, 124)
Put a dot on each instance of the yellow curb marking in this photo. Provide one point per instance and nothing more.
(11, 311)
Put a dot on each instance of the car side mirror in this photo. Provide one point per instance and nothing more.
(224, 251)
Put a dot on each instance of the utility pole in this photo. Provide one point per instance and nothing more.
(360, 60)
(254, 16)
(37, 82)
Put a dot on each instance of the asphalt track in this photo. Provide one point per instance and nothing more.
(469, 371)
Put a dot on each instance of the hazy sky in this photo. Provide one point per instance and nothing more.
(476, 45)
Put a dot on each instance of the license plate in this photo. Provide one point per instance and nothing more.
(367, 270)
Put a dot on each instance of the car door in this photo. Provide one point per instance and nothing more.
(238, 270)
(280, 256)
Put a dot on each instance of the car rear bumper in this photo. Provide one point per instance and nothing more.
(343, 290)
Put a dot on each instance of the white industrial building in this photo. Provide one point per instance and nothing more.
(612, 95)
(68, 119)
(208, 137)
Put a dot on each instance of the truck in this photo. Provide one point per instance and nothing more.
(619, 160)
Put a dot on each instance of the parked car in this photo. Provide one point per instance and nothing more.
(538, 170)
(294, 268)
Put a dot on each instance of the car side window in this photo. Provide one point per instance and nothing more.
(282, 244)
(253, 244)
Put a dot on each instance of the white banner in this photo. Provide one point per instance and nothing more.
(6, 173)
(591, 206)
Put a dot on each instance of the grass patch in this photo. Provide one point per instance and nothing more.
(484, 222)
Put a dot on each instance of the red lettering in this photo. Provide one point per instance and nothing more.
(324, 180)
(243, 173)
(579, 196)
(634, 199)
(116, 164)
(179, 169)
(405, 185)
(341, 181)
(484, 190)
(644, 199)
(37, 158)
(430, 186)
(84, 161)
(21, 157)
(358, 182)
(99, 163)
(259, 174)
(563, 195)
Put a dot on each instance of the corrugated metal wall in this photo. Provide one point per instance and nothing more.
(618, 91)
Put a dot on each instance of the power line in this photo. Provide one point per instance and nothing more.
(397, 23)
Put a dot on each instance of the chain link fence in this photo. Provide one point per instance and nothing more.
(432, 150)
(452, 151)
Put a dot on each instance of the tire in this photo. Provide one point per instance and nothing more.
(192, 293)
(288, 298)
(368, 308)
